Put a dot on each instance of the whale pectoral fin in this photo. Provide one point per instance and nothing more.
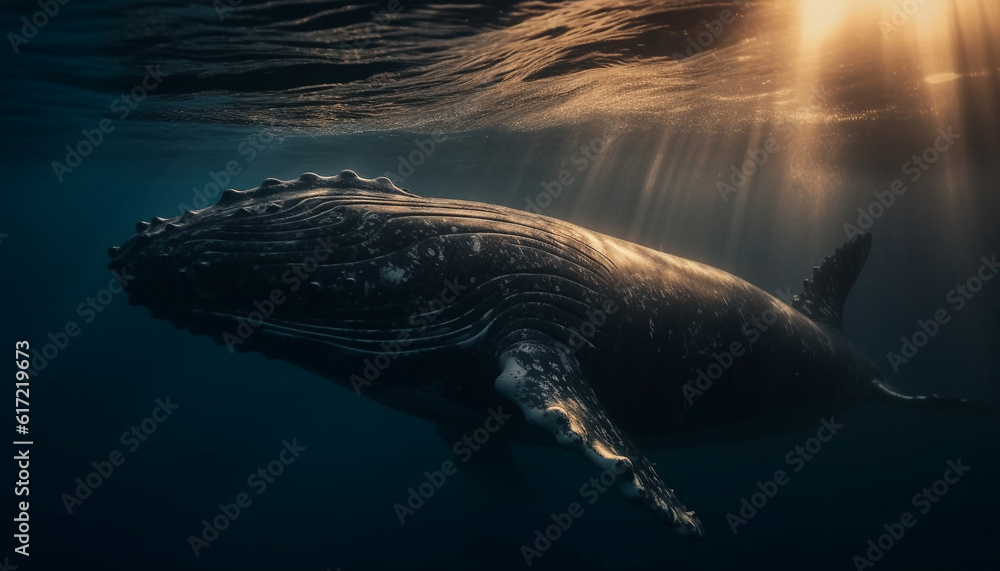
(552, 393)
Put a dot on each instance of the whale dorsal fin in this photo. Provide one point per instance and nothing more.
(823, 295)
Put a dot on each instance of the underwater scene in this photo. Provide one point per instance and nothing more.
(314, 285)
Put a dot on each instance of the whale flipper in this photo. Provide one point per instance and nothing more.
(550, 389)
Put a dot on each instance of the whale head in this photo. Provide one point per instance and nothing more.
(269, 251)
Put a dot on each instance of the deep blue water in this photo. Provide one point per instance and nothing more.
(512, 92)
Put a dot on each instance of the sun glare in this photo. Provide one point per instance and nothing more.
(820, 18)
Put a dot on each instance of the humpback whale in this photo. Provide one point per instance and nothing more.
(445, 309)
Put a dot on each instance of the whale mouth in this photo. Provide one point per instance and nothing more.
(151, 282)
(157, 275)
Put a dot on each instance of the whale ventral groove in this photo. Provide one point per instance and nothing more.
(446, 309)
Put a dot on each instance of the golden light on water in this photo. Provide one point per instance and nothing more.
(851, 89)
(820, 18)
(845, 74)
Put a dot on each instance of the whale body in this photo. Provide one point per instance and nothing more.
(447, 309)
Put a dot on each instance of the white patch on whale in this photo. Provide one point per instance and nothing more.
(393, 275)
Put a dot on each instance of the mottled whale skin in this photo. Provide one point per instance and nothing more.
(473, 306)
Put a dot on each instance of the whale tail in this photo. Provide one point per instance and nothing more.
(883, 393)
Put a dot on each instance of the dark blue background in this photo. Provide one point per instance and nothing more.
(333, 506)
